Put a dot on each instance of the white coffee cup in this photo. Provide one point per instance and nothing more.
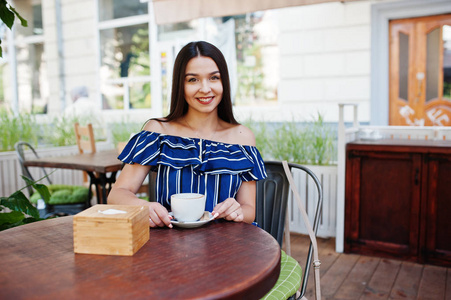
(188, 207)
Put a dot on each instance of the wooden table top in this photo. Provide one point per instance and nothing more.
(220, 260)
(100, 162)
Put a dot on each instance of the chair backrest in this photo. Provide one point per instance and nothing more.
(21, 148)
(85, 138)
(272, 200)
(271, 206)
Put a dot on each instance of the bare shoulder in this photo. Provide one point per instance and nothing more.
(240, 134)
(154, 125)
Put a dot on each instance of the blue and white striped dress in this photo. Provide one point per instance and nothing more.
(193, 165)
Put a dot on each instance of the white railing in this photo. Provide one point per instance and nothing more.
(346, 135)
(10, 171)
(327, 175)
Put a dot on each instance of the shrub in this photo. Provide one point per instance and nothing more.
(311, 143)
(121, 131)
(15, 128)
(58, 131)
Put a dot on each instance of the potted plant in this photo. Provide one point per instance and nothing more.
(17, 209)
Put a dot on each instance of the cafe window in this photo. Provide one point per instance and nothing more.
(117, 9)
(250, 47)
(4, 82)
(124, 55)
(257, 60)
(33, 87)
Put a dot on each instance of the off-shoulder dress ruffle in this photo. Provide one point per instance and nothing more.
(214, 166)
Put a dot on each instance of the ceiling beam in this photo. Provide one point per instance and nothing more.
(174, 11)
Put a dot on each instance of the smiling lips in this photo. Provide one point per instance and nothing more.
(205, 100)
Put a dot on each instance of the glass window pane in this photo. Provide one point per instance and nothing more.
(115, 9)
(403, 65)
(2, 86)
(257, 58)
(32, 12)
(432, 64)
(176, 30)
(5, 80)
(31, 72)
(253, 38)
(113, 96)
(38, 29)
(125, 51)
(140, 95)
(446, 62)
(165, 82)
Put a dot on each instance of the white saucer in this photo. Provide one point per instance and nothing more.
(207, 217)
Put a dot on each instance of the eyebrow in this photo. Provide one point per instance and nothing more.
(194, 74)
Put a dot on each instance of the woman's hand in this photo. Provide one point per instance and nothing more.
(158, 216)
(230, 210)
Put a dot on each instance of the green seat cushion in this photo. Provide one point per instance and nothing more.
(64, 194)
(289, 279)
(79, 195)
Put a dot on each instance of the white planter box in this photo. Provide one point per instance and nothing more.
(327, 175)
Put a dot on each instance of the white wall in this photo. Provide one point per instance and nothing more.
(324, 58)
(324, 53)
(79, 52)
(79, 33)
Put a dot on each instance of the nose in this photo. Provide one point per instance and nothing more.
(205, 87)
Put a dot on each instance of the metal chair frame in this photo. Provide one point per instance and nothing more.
(49, 209)
(271, 208)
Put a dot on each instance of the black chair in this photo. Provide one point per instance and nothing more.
(271, 208)
(64, 199)
(151, 186)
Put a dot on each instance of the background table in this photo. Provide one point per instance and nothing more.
(99, 163)
(221, 260)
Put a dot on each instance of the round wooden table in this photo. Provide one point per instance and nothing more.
(220, 260)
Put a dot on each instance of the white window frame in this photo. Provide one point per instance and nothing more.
(155, 75)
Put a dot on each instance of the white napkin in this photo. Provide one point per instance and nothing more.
(112, 211)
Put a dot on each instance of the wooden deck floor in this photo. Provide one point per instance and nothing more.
(351, 276)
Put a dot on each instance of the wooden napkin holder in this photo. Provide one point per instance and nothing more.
(96, 232)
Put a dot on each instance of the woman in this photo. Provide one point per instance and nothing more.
(199, 147)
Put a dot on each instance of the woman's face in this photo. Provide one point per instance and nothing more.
(203, 85)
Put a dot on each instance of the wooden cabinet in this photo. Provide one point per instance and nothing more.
(398, 200)
(437, 231)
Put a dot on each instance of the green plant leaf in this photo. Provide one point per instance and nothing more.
(12, 217)
(19, 202)
(41, 188)
(6, 14)
(23, 22)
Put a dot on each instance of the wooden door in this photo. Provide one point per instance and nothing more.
(437, 231)
(383, 203)
(420, 71)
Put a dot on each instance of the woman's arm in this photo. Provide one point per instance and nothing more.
(127, 184)
(124, 192)
(241, 209)
(131, 179)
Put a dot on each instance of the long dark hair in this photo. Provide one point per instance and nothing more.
(179, 106)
